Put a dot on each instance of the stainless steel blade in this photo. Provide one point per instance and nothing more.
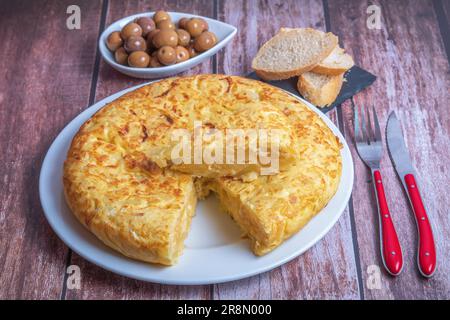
(397, 148)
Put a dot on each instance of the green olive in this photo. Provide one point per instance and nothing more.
(114, 41)
(165, 37)
(167, 55)
(205, 41)
(183, 37)
(138, 59)
(204, 24)
(135, 43)
(165, 24)
(121, 56)
(194, 27)
(147, 24)
(131, 29)
(160, 16)
(181, 53)
(182, 23)
(154, 62)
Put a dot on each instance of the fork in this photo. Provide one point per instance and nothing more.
(369, 146)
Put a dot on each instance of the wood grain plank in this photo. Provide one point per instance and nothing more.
(442, 10)
(408, 56)
(45, 82)
(98, 283)
(446, 7)
(326, 271)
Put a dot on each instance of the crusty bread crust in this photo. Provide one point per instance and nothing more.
(323, 96)
(332, 68)
(266, 74)
(329, 71)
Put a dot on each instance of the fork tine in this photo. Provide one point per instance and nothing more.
(363, 126)
(377, 125)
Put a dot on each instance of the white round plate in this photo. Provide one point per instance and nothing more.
(214, 252)
(223, 31)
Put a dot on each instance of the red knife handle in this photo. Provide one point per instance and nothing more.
(426, 256)
(390, 246)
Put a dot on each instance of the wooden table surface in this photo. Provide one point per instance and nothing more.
(49, 74)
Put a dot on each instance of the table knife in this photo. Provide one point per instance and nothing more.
(426, 256)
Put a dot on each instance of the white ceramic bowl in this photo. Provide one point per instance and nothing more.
(223, 31)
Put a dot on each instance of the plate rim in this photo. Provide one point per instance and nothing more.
(296, 253)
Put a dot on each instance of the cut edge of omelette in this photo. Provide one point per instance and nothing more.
(146, 213)
(271, 209)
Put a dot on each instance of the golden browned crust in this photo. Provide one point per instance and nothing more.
(126, 201)
(116, 189)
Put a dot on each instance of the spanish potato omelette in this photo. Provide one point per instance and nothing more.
(143, 208)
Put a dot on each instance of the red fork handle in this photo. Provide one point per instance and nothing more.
(391, 251)
(426, 256)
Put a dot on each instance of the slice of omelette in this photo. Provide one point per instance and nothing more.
(272, 208)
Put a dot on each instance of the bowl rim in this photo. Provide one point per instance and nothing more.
(122, 68)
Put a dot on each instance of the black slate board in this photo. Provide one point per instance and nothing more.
(357, 79)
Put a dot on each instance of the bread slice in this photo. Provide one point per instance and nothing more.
(336, 63)
(292, 52)
(320, 90)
